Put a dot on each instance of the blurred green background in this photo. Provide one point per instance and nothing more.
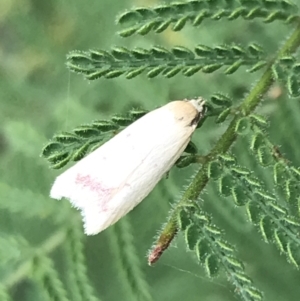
(40, 97)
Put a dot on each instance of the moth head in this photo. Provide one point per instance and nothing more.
(188, 112)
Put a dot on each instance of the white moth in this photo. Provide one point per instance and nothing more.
(118, 175)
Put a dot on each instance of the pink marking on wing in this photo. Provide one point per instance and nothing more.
(97, 187)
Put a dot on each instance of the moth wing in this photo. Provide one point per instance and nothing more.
(113, 179)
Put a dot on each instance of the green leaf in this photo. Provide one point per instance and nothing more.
(278, 72)
(238, 51)
(222, 51)
(234, 67)
(211, 68)
(155, 71)
(245, 280)
(121, 120)
(228, 159)
(243, 126)
(135, 72)
(114, 73)
(240, 11)
(172, 72)
(291, 189)
(255, 49)
(160, 53)
(146, 28)
(185, 161)
(86, 131)
(266, 196)
(129, 17)
(191, 236)
(222, 100)
(79, 58)
(162, 26)
(191, 148)
(252, 181)
(121, 53)
(257, 141)
(254, 212)
(276, 15)
(259, 120)
(254, 293)
(213, 230)
(66, 138)
(180, 23)
(204, 51)
(104, 125)
(240, 170)
(287, 61)
(290, 221)
(200, 17)
(96, 145)
(191, 70)
(100, 55)
(277, 209)
(58, 157)
(259, 65)
(81, 152)
(293, 85)
(62, 163)
(281, 240)
(141, 53)
(136, 114)
(97, 74)
(226, 184)
(183, 52)
(279, 172)
(234, 263)
(50, 148)
(146, 13)
(223, 115)
(164, 10)
(265, 156)
(239, 195)
(128, 32)
(293, 254)
(211, 265)
(183, 220)
(266, 228)
(215, 170)
(202, 250)
(225, 246)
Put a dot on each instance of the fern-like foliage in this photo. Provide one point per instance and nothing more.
(95, 64)
(213, 251)
(122, 242)
(66, 147)
(263, 208)
(78, 281)
(272, 209)
(177, 15)
(73, 146)
(286, 70)
(47, 277)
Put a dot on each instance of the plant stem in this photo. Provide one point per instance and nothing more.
(228, 138)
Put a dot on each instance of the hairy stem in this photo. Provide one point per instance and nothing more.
(225, 142)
